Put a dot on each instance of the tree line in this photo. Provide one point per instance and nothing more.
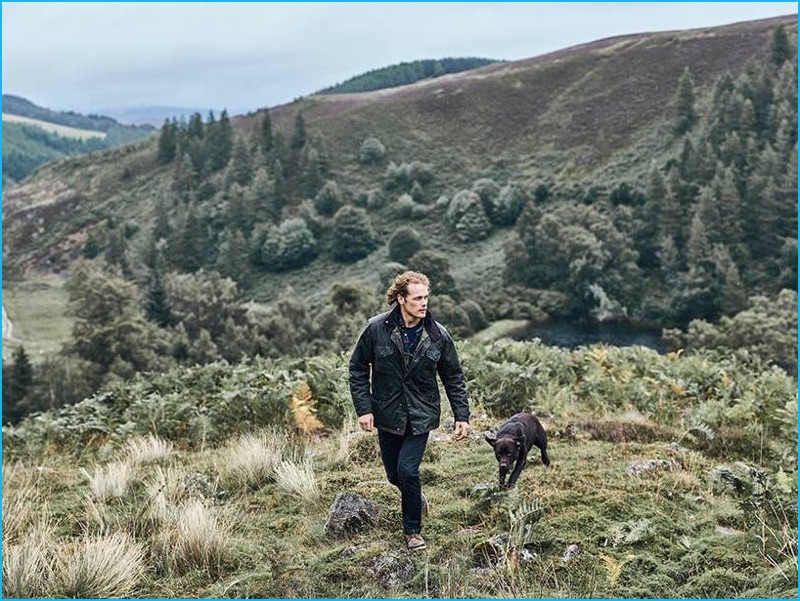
(405, 73)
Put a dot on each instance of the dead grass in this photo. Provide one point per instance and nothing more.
(145, 450)
(297, 478)
(250, 460)
(110, 480)
(105, 567)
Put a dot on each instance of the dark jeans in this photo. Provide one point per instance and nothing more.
(401, 457)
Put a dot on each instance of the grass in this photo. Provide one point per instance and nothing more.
(145, 450)
(251, 460)
(62, 130)
(37, 308)
(664, 533)
(107, 566)
(110, 480)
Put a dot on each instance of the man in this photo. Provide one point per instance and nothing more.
(403, 350)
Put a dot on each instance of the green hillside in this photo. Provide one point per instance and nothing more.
(27, 146)
(649, 178)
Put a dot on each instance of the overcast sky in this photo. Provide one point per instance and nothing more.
(244, 56)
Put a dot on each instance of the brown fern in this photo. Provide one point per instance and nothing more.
(302, 404)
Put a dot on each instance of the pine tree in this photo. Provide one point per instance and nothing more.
(195, 129)
(353, 237)
(233, 259)
(241, 163)
(168, 142)
(312, 175)
(647, 237)
(219, 142)
(189, 251)
(265, 138)
(20, 381)
(779, 50)
(297, 144)
(685, 115)
(156, 303)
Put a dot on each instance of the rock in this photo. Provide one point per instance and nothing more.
(571, 553)
(350, 513)
(351, 550)
(197, 485)
(390, 569)
(638, 468)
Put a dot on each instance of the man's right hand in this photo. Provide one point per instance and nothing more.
(366, 422)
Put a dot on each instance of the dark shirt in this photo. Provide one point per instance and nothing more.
(410, 338)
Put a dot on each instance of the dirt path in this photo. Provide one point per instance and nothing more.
(8, 327)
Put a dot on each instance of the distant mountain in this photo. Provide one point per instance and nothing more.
(152, 115)
(406, 73)
(34, 135)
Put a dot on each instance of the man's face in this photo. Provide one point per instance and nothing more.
(415, 304)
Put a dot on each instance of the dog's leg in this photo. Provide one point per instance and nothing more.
(521, 461)
(545, 458)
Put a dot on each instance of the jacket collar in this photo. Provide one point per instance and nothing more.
(394, 320)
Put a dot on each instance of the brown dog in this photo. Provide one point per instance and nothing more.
(513, 441)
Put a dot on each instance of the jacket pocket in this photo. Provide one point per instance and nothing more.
(383, 358)
(433, 354)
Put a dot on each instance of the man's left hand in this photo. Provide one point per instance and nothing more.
(461, 430)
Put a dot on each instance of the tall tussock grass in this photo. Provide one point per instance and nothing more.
(196, 539)
(250, 460)
(28, 564)
(21, 501)
(144, 450)
(106, 566)
(110, 480)
(297, 478)
(95, 567)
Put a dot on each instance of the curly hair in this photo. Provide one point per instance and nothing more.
(400, 285)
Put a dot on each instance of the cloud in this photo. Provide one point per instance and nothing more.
(242, 56)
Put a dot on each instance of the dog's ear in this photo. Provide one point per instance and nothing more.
(490, 440)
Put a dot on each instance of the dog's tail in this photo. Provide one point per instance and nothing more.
(545, 458)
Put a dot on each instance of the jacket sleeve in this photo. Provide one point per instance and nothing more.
(360, 362)
(452, 376)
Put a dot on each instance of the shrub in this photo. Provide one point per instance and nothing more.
(375, 199)
(453, 317)
(402, 176)
(437, 267)
(353, 237)
(289, 246)
(417, 193)
(404, 206)
(467, 216)
(477, 319)
(328, 199)
(507, 206)
(487, 190)
(371, 151)
(403, 244)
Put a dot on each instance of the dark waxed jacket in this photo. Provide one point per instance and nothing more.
(398, 392)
